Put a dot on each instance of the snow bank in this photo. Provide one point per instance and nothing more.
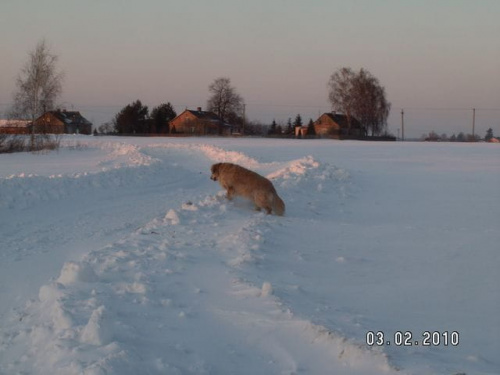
(22, 190)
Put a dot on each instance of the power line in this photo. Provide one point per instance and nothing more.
(260, 104)
(443, 109)
(286, 105)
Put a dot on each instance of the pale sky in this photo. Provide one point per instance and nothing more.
(438, 59)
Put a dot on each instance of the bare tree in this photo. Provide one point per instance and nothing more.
(371, 107)
(361, 96)
(38, 85)
(106, 128)
(224, 101)
(341, 92)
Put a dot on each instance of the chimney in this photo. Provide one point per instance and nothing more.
(199, 109)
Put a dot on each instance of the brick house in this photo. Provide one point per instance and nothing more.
(335, 126)
(199, 123)
(62, 122)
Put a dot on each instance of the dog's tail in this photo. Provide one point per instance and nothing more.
(278, 205)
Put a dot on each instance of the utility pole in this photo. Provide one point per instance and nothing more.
(402, 124)
(473, 122)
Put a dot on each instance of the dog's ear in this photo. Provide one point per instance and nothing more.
(214, 167)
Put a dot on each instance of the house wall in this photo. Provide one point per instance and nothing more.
(80, 129)
(301, 131)
(49, 124)
(9, 126)
(188, 123)
(324, 125)
(14, 130)
(183, 123)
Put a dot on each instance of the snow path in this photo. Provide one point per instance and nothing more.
(152, 300)
(62, 216)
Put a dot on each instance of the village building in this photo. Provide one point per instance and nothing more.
(199, 123)
(14, 126)
(62, 122)
(301, 131)
(335, 125)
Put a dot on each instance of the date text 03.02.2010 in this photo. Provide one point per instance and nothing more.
(407, 338)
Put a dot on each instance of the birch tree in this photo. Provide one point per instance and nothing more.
(359, 95)
(38, 85)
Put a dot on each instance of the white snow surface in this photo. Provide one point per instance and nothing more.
(121, 256)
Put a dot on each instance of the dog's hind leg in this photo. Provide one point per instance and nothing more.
(261, 200)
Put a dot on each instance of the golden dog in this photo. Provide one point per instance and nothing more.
(241, 181)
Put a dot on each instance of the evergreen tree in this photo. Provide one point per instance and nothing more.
(289, 128)
(311, 131)
(161, 116)
(489, 135)
(132, 119)
(298, 121)
(272, 129)
(279, 130)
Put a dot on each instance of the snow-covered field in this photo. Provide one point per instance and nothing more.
(121, 256)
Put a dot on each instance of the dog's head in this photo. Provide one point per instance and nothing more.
(215, 171)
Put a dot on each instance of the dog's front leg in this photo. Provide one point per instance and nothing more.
(230, 193)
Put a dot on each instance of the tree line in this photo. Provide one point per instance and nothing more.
(289, 129)
(461, 137)
(357, 95)
(135, 118)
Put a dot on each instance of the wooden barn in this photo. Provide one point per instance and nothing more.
(15, 126)
(335, 125)
(199, 123)
(62, 122)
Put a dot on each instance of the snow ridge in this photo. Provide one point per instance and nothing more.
(214, 153)
(23, 190)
